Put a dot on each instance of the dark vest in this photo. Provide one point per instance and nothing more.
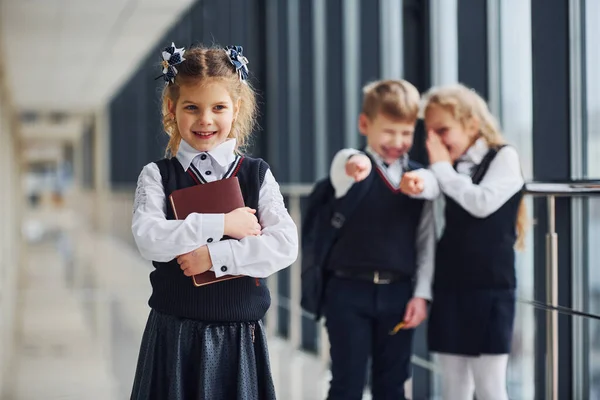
(242, 299)
(381, 233)
(478, 253)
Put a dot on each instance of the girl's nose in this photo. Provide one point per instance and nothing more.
(205, 118)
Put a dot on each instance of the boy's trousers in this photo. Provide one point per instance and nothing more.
(359, 316)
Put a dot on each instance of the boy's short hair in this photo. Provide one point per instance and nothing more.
(398, 99)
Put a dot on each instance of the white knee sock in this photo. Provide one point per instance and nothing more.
(457, 380)
(489, 373)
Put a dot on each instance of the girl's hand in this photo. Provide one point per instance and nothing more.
(438, 152)
(358, 167)
(411, 184)
(195, 262)
(416, 312)
(241, 222)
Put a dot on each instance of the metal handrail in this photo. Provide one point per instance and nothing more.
(535, 188)
(569, 188)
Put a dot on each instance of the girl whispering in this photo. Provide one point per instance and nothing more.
(473, 308)
(208, 342)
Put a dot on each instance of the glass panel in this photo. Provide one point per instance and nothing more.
(592, 55)
(516, 111)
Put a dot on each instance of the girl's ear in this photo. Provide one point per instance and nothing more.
(473, 126)
(363, 124)
(171, 107)
(236, 108)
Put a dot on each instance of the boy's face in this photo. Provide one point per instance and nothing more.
(388, 137)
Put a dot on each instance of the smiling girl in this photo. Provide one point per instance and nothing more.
(208, 342)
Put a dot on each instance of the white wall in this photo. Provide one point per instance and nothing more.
(10, 256)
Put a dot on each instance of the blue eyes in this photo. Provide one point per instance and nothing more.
(191, 107)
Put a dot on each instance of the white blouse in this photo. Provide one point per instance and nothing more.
(501, 181)
(162, 240)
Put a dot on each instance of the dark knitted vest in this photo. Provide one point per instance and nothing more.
(381, 233)
(241, 299)
(478, 253)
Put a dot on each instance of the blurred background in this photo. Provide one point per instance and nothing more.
(80, 117)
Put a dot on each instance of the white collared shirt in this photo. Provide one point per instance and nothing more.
(501, 181)
(425, 241)
(162, 240)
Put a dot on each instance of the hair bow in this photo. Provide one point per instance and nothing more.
(171, 56)
(237, 58)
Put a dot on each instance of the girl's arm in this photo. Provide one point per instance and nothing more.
(159, 239)
(502, 180)
(260, 256)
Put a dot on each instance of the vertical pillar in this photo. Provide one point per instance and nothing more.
(551, 161)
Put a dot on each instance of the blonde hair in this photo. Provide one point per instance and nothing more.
(465, 104)
(398, 99)
(202, 65)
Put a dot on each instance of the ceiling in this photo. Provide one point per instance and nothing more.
(72, 55)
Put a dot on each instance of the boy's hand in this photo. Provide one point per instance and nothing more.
(358, 167)
(411, 183)
(437, 150)
(195, 262)
(416, 312)
(241, 222)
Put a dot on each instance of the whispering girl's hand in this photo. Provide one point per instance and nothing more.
(437, 150)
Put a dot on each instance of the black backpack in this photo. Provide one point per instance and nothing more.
(322, 222)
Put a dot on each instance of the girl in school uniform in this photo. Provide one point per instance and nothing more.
(208, 342)
(473, 308)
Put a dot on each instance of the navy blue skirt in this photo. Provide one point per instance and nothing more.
(183, 359)
(471, 323)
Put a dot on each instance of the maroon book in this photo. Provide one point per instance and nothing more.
(218, 197)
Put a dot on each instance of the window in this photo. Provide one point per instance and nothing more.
(516, 118)
(592, 86)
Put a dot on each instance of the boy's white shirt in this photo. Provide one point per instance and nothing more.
(162, 240)
(425, 241)
(501, 181)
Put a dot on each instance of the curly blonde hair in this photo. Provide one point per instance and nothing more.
(464, 104)
(210, 63)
